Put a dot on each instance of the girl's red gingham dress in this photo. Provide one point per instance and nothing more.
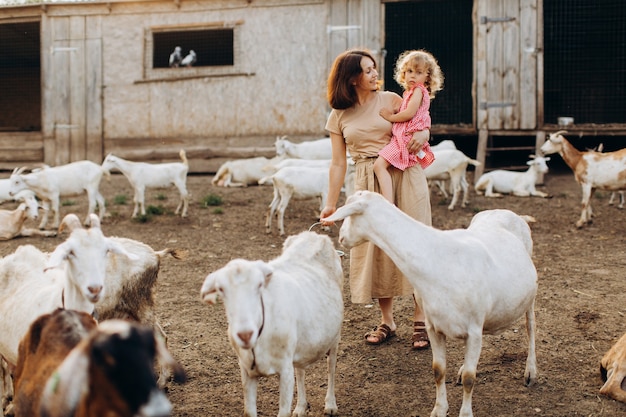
(396, 152)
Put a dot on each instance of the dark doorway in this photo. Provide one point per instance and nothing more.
(20, 77)
(585, 61)
(444, 28)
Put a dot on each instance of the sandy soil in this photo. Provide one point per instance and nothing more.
(580, 307)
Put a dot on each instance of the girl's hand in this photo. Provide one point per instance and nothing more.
(385, 113)
(418, 140)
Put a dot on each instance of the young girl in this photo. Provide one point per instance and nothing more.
(419, 74)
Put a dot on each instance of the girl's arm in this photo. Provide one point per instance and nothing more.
(407, 114)
(336, 175)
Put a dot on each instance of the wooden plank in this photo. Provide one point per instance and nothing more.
(494, 63)
(93, 72)
(77, 93)
(509, 115)
(59, 74)
(480, 59)
(528, 65)
(540, 88)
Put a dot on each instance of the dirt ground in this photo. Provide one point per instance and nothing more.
(580, 307)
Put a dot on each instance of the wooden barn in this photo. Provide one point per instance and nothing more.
(79, 80)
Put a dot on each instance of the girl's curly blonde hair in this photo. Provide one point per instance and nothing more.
(419, 59)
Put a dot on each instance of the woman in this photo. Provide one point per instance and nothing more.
(356, 125)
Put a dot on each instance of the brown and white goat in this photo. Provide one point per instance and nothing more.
(613, 371)
(108, 370)
(592, 170)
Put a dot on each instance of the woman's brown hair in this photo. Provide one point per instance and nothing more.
(345, 70)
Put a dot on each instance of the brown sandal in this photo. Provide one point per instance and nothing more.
(382, 333)
(419, 336)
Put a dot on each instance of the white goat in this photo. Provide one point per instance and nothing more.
(12, 221)
(33, 283)
(131, 288)
(52, 183)
(592, 170)
(283, 314)
(142, 175)
(243, 172)
(314, 149)
(451, 164)
(521, 184)
(299, 183)
(467, 281)
(441, 184)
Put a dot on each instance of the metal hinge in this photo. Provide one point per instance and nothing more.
(484, 105)
(485, 19)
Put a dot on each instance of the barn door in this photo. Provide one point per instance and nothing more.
(506, 64)
(74, 87)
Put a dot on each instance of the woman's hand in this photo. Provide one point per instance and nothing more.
(418, 140)
(327, 211)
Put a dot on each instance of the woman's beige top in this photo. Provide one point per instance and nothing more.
(372, 273)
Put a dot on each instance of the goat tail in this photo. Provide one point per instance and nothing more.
(183, 156)
(176, 253)
(474, 162)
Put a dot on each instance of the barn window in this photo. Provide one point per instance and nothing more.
(20, 77)
(215, 46)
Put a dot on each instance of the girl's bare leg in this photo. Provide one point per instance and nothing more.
(384, 178)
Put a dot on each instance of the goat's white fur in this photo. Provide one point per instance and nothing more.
(299, 183)
(52, 183)
(243, 172)
(33, 283)
(283, 314)
(12, 222)
(131, 287)
(592, 170)
(521, 184)
(142, 175)
(313, 149)
(467, 281)
(451, 164)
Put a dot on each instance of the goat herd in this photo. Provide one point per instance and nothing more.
(55, 354)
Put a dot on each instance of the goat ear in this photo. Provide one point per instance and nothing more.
(208, 293)
(66, 386)
(546, 158)
(266, 270)
(354, 207)
(58, 256)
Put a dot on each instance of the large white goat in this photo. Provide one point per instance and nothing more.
(142, 175)
(52, 183)
(592, 170)
(283, 314)
(131, 288)
(451, 164)
(33, 283)
(313, 149)
(243, 172)
(520, 184)
(468, 281)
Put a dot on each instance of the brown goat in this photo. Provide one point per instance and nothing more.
(613, 371)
